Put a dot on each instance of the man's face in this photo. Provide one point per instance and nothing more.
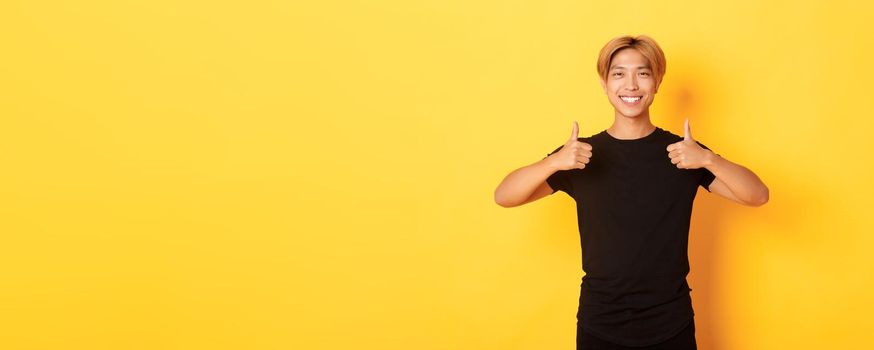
(630, 85)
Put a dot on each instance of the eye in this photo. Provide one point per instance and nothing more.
(644, 73)
(617, 74)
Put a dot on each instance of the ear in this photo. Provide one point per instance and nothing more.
(603, 85)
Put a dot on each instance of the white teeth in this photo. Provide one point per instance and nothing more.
(630, 99)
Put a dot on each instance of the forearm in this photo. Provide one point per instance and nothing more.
(521, 183)
(742, 182)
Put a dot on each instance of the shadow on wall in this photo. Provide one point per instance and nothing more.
(708, 211)
(692, 97)
(689, 99)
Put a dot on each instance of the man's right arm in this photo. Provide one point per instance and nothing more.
(526, 184)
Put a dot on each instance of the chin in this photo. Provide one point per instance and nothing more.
(629, 113)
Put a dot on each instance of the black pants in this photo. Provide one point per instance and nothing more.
(685, 340)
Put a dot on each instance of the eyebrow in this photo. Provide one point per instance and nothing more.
(623, 67)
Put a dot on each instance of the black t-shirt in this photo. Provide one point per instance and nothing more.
(633, 210)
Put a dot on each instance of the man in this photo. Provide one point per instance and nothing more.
(634, 184)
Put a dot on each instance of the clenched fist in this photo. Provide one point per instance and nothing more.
(687, 154)
(574, 154)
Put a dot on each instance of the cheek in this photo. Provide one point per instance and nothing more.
(649, 86)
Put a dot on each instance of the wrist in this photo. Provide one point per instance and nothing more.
(711, 160)
(549, 163)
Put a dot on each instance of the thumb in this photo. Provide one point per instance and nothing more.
(575, 131)
(688, 133)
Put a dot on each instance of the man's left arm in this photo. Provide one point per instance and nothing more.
(733, 181)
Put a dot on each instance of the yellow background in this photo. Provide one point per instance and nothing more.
(320, 175)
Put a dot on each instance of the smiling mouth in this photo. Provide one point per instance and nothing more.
(630, 99)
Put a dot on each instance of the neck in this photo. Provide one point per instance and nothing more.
(629, 128)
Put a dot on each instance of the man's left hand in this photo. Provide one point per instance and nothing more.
(687, 154)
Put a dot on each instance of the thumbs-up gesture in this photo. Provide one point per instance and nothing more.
(687, 154)
(574, 154)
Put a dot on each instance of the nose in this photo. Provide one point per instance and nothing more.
(631, 83)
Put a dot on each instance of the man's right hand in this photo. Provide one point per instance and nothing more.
(574, 154)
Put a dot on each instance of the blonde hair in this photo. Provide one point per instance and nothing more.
(643, 44)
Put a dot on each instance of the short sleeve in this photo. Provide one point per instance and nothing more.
(707, 177)
(560, 180)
